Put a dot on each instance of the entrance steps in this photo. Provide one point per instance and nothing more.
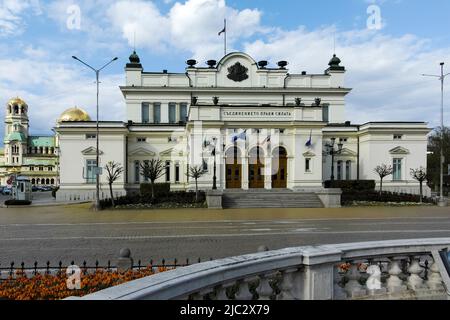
(275, 198)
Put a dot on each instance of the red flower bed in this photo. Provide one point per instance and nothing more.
(54, 287)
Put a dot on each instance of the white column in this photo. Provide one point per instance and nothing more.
(244, 178)
(164, 112)
(268, 172)
(290, 174)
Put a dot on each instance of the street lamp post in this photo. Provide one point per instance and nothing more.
(332, 151)
(214, 168)
(97, 168)
(442, 202)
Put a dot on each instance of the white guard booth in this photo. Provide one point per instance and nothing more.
(22, 189)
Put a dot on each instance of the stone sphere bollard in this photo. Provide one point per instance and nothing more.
(124, 262)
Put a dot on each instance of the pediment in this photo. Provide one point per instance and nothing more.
(347, 153)
(142, 152)
(170, 152)
(91, 151)
(399, 150)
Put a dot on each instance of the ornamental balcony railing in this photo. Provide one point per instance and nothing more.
(400, 269)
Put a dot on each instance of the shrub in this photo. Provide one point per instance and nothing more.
(375, 196)
(351, 184)
(178, 197)
(161, 189)
(13, 202)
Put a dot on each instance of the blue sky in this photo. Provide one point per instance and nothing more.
(384, 64)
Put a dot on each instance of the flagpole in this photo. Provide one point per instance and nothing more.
(225, 37)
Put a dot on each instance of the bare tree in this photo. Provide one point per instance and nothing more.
(383, 171)
(196, 172)
(114, 171)
(153, 170)
(420, 175)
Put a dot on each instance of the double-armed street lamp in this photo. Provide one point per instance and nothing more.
(331, 150)
(442, 202)
(97, 168)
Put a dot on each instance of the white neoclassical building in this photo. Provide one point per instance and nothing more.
(270, 129)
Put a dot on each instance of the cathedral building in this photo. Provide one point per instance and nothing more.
(33, 156)
(250, 126)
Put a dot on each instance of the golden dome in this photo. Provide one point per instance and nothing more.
(73, 115)
(17, 101)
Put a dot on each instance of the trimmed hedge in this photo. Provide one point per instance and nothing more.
(13, 202)
(364, 195)
(161, 189)
(351, 184)
(178, 197)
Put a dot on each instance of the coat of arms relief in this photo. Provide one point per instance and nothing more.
(237, 72)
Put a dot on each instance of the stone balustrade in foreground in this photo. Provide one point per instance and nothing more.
(400, 269)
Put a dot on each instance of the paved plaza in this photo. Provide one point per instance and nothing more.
(73, 232)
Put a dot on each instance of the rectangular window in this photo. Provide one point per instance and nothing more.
(397, 173)
(183, 112)
(157, 112)
(348, 170)
(167, 171)
(90, 171)
(145, 113)
(307, 165)
(141, 139)
(177, 172)
(91, 136)
(146, 162)
(339, 170)
(172, 112)
(136, 172)
(41, 168)
(31, 168)
(398, 136)
(325, 114)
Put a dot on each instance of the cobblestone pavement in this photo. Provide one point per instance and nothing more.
(75, 233)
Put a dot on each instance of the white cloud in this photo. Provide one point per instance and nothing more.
(191, 26)
(385, 71)
(11, 15)
(49, 88)
(141, 20)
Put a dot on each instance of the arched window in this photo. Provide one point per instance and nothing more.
(33, 181)
(16, 109)
(52, 181)
(38, 181)
(47, 181)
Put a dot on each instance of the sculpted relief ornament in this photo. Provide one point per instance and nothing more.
(237, 72)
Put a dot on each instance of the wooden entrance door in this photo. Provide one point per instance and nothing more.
(256, 169)
(279, 163)
(233, 169)
(234, 176)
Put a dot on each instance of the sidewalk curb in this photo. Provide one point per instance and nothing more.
(50, 204)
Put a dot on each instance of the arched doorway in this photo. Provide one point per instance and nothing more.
(279, 168)
(256, 168)
(233, 168)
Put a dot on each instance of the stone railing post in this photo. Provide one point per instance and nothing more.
(318, 273)
(124, 262)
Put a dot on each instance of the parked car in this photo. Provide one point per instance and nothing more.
(7, 191)
(34, 188)
(46, 188)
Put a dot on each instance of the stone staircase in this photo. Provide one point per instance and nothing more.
(276, 198)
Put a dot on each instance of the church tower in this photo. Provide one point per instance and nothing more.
(16, 131)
